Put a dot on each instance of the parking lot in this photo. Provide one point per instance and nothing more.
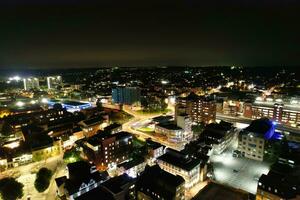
(238, 172)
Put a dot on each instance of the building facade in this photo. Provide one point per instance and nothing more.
(282, 113)
(53, 82)
(252, 140)
(126, 95)
(181, 164)
(199, 109)
(171, 131)
(106, 150)
(219, 135)
(31, 83)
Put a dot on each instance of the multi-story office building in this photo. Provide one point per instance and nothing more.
(155, 183)
(285, 113)
(232, 107)
(126, 95)
(53, 82)
(155, 150)
(171, 131)
(200, 109)
(219, 136)
(105, 149)
(185, 122)
(252, 139)
(178, 163)
(31, 83)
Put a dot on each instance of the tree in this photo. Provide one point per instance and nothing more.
(57, 106)
(198, 128)
(10, 189)
(42, 180)
(72, 155)
(7, 130)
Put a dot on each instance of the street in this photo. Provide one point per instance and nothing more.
(141, 119)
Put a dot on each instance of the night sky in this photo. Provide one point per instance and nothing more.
(59, 33)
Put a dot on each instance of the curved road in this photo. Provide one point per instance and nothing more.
(139, 118)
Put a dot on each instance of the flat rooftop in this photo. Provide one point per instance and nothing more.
(220, 192)
(180, 160)
(68, 102)
(170, 126)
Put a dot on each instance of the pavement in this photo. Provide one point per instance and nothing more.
(26, 174)
(240, 173)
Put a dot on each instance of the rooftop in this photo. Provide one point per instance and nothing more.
(117, 184)
(152, 144)
(261, 128)
(287, 186)
(94, 120)
(132, 163)
(218, 192)
(112, 126)
(80, 172)
(159, 182)
(170, 126)
(180, 160)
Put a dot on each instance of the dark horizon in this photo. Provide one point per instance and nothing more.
(85, 34)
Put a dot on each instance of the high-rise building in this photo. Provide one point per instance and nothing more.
(31, 83)
(53, 82)
(200, 109)
(126, 95)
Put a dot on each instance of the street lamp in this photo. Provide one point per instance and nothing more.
(20, 104)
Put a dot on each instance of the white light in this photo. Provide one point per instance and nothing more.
(32, 101)
(20, 104)
(104, 101)
(44, 100)
(229, 84)
(16, 78)
(251, 86)
(172, 100)
(164, 82)
(166, 100)
(269, 99)
(278, 100)
(259, 99)
(294, 102)
(12, 145)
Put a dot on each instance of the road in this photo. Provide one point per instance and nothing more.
(141, 118)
